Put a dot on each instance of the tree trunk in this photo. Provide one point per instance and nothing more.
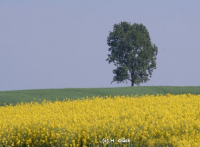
(132, 80)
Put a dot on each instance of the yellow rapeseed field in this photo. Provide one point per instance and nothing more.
(170, 120)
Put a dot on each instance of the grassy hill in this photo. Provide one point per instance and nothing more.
(74, 93)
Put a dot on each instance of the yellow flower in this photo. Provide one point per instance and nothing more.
(148, 120)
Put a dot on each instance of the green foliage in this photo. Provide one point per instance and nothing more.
(132, 52)
(121, 74)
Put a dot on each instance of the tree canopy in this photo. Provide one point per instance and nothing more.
(132, 52)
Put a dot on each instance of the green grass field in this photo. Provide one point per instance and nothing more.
(12, 97)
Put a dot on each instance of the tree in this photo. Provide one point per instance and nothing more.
(132, 52)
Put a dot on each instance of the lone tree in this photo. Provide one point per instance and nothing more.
(132, 52)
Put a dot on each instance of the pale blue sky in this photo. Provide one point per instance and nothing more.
(62, 44)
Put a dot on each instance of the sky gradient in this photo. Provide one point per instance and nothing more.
(63, 44)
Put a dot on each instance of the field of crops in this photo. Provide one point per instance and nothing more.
(161, 120)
